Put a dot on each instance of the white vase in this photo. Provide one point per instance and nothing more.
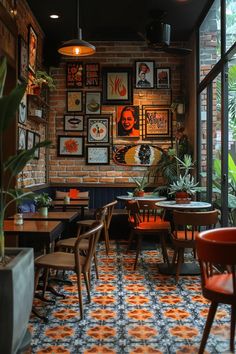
(43, 211)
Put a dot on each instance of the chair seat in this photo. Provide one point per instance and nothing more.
(220, 283)
(70, 242)
(85, 222)
(153, 226)
(58, 260)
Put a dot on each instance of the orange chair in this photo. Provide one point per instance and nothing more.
(216, 250)
(144, 219)
(187, 225)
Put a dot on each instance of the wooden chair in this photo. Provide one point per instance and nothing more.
(216, 249)
(77, 262)
(143, 220)
(67, 244)
(186, 226)
(84, 224)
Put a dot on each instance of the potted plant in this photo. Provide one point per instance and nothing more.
(42, 79)
(43, 201)
(16, 264)
(141, 184)
(184, 187)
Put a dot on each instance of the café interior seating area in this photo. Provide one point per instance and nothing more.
(117, 177)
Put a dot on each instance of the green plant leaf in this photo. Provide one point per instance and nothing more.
(9, 105)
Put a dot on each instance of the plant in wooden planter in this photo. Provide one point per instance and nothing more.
(184, 187)
(42, 79)
(16, 264)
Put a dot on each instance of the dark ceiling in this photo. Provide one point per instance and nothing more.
(103, 20)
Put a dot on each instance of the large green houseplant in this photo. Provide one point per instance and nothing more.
(14, 164)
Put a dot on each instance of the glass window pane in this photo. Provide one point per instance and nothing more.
(230, 23)
(203, 140)
(209, 37)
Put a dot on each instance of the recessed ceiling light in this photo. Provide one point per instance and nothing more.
(54, 16)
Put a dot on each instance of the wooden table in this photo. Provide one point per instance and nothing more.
(32, 232)
(52, 215)
(186, 268)
(146, 197)
(76, 203)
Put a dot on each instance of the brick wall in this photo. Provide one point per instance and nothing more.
(109, 54)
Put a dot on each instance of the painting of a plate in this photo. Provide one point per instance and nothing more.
(137, 155)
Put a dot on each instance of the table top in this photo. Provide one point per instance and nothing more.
(171, 204)
(43, 226)
(146, 197)
(52, 215)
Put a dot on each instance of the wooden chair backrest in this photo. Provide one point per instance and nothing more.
(217, 247)
(142, 211)
(110, 207)
(92, 236)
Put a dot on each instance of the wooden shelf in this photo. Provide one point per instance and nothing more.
(37, 119)
(37, 107)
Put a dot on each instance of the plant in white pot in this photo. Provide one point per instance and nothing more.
(43, 201)
(141, 184)
(184, 187)
(16, 264)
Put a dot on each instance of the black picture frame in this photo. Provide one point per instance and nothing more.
(97, 155)
(36, 141)
(23, 57)
(21, 139)
(74, 74)
(32, 49)
(92, 74)
(29, 140)
(117, 86)
(73, 123)
(74, 101)
(144, 74)
(70, 146)
(163, 78)
(93, 102)
(22, 111)
(157, 122)
(98, 129)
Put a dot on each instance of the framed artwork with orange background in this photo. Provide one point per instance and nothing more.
(72, 146)
(127, 121)
(33, 46)
(74, 74)
(117, 86)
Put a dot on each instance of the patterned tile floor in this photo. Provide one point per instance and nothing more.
(131, 312)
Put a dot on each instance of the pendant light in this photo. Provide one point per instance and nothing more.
(77, 47)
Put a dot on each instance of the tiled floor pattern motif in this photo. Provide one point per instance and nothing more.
(131, 312)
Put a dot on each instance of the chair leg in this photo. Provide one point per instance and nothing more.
(139, 243)
(174, 257)
(210, 318)
(79, 284)
(131, 236)
(106, 236)
(163, 248)
(232, 328)
(96, 265)
(87, 283)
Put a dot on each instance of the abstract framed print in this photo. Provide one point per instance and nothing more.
(157, 122)
(22, 112)
(23, 59)
(74, 101)
(97, 155)
(92, 102)
(73, 123)
(98, 129)
(144, 74)
(21, 139)
(36, 141)
(30, 140)
(70, 146)
(117, 86)
(92, 74)
(74, 74)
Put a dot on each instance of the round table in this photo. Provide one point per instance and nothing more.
(171, 204)
(146, 197)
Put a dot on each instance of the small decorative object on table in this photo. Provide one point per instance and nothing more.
(67, 199)
(43, 201)
(184, 187)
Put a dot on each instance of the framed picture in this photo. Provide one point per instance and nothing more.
(74, 74)
(144, 74)
(97, 155)
(73, 123)
(23, 59)
(163, 78)
(36, 141)
(157, 122)
(30, 140)
(98, 130)
(74, 101)
(127, 122)
(93, 102)
(22, 112)
(32, 49)
(70, 146)
(92, 74)
(117, 86)
(21, 139)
